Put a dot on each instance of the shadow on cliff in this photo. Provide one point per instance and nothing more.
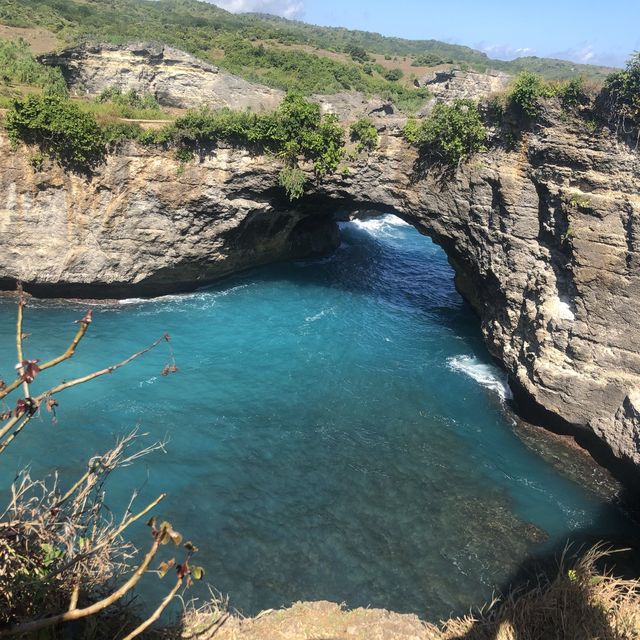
(585, 589)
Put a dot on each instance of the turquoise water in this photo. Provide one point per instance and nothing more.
(336, 431)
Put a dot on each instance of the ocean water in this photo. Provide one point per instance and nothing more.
(336, 430)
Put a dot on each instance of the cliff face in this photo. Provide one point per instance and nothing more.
(173, 77)
(545, 242)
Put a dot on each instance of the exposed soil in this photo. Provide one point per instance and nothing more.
(40, 40)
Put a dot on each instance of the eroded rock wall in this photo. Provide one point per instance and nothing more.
(173, 77)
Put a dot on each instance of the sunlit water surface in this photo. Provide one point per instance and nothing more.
(336, 431)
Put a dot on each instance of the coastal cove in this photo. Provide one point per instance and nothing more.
(336, 430)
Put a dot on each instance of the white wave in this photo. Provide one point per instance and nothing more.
(487, 375)
(200, 294)
(322, 313)
(382, 225)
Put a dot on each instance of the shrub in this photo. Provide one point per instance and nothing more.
(411, 131)
(622, 92)
(393, 74)
(450, 133)
(292, 179)
(525, 93)
(573, 94)
(121, 131)
(364, 132)
(130, 104)
(131, 98)
(199, 127)
(428, 60)
(295, 130)
(59, 128)
(357, 53)
(17, 65)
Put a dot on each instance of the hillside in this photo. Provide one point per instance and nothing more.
(284, 54)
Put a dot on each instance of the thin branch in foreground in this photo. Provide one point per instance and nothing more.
(156, 614)
(19, 336)
(70, 351)
(96, 607)
(110, 538)
(36, 402)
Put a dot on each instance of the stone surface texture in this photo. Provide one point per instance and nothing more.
(449, 85)
(175, 78)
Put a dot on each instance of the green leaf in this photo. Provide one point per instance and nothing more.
(197, 572)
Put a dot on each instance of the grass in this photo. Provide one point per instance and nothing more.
(581, 603)
(109, 112)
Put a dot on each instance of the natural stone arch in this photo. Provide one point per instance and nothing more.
(544, 248)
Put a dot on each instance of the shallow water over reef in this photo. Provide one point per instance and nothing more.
(336, 430)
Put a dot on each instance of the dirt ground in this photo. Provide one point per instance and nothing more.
(40, 40)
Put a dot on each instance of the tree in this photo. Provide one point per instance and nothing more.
(450, 133)
(59, 128)
(622, 95)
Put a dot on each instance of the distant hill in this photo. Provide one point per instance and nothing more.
(337, 38)
(281, 53)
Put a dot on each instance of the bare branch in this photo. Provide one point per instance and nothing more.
(5, 443)
(156, 614)
(77, 614)
(75, 594)
(71, 349)
(110, 538)
(75, 382)
(19, 335)
(96, 374)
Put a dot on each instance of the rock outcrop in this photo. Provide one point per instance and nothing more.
(450, 85)
(544, 239)
(178, 79)
(173, 77)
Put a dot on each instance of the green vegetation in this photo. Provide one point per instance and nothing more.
(297, 71)
(573, 94)
(357, 53)
(393, 75)
(364, 132)
(59, 128)
(450, 133)
(260, 48)
(430, 60)
(526, 92)
(295, 131)
(19, 67)
(292, 180)
(622, 92)
(131, 98)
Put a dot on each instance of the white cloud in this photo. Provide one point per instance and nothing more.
(583, 52)
(284, 8)
(586, 53)
(505, 51)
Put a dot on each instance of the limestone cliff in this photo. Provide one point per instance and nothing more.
(173, 77)
(544, 239)
(448, 85)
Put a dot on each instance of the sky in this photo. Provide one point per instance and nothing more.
(578, 30)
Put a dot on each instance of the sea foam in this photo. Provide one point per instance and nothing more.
(487, 375)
